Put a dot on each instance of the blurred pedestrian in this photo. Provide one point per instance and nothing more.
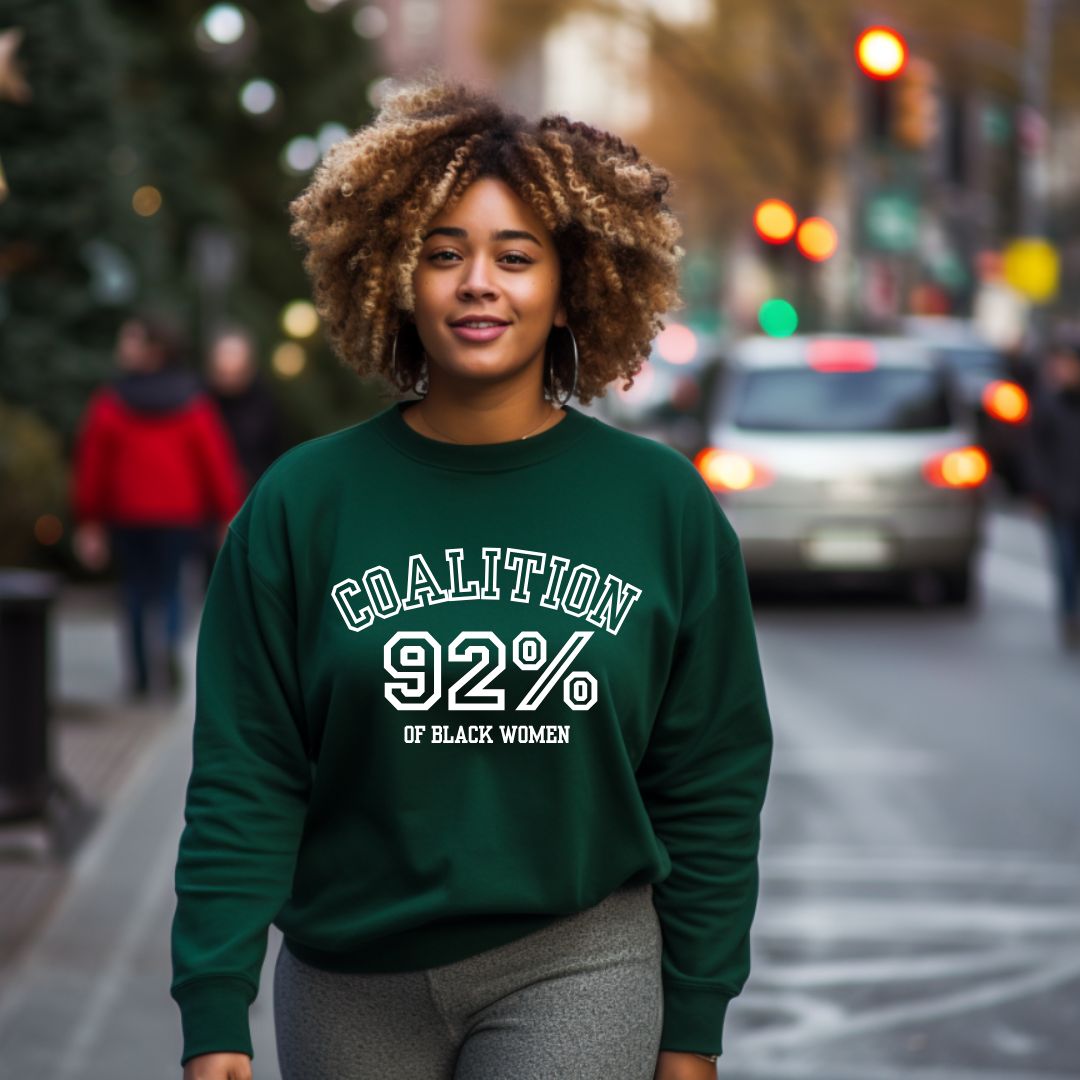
(1053, 458)
(152, 463)
(457, 899)
(249, 410)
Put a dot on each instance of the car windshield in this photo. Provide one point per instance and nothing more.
(879, 399)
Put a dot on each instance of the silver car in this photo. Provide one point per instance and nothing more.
(840, 455)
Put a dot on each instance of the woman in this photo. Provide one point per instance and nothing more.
(250, 412)
(153, 461)
(480, 721)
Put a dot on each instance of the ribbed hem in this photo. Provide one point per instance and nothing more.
(214, 1016)
(693, 1019)
(391, 425)
(444, 942)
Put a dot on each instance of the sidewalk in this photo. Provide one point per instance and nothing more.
(84, 942)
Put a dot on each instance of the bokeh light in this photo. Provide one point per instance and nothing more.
(677, 344)
(881, 52)
(288, 359)
(300, 154)
(329, 134)
(778, 318)
(726, 470)
(258, 96)
(299, 319)
(146, 201)
(1005, 401)
(370, 22)
(816, 239)
(775, 221)
(223, 24)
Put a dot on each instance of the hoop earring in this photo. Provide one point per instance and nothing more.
(393, 367)
(551, 370)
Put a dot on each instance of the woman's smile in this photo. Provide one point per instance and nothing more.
(479, 334)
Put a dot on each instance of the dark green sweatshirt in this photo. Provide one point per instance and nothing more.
(447, 693)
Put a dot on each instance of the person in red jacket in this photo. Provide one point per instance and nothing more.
(153, 462)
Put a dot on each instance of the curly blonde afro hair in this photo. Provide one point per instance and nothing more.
(364, 213)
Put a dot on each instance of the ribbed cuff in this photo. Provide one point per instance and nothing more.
(214, 1016)
(693, 1019)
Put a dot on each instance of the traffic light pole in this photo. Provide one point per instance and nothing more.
(1035, 79)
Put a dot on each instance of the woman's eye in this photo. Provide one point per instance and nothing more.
(520, 260)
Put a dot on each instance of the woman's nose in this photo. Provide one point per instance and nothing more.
(477, 281)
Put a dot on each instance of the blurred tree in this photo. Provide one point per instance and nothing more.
(757, 89)
(135, 176)
(757, 98)
(33, 486)
(762, 88)
(56, 213)
(215, 146)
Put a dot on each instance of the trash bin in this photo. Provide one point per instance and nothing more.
(25, 775)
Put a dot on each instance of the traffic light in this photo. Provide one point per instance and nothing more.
(881, 52)
(775, 221)
(916, 119)
(816, 239)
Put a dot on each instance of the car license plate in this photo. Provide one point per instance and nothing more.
(847, 548)
(853, 489)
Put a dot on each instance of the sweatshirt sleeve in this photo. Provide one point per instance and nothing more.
(703, 779)
(246, 800)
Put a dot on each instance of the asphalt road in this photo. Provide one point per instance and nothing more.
(920, 897)
(920, 900)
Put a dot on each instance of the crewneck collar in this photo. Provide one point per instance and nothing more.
(391, 425)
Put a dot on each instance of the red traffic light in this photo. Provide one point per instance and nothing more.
(816, 239)
(881, 52)
(775, 221)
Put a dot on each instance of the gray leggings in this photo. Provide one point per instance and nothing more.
(580, 997)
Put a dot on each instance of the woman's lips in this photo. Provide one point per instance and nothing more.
(477, 333)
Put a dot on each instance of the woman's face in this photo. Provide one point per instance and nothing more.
(132, 345)
(470, 265)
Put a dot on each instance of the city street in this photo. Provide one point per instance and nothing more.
(920, 904)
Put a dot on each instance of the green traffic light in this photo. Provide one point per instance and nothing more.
(778, 318)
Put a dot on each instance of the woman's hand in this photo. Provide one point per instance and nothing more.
(673, 1065)
(91, 544)
(218, 1067)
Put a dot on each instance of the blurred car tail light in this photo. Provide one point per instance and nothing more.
(840, 354)
(1005, 401)
(725, 470)
(966, 467)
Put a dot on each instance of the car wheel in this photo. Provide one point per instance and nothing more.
(957, 586)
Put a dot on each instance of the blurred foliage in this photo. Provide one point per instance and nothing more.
(55, 335)
(33, 481)
(124, 98)
(763, 89)
(321, 70)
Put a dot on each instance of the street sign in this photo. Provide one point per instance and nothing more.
(892, 222)
(1032, 268)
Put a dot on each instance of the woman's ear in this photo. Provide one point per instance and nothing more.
(560, 315)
